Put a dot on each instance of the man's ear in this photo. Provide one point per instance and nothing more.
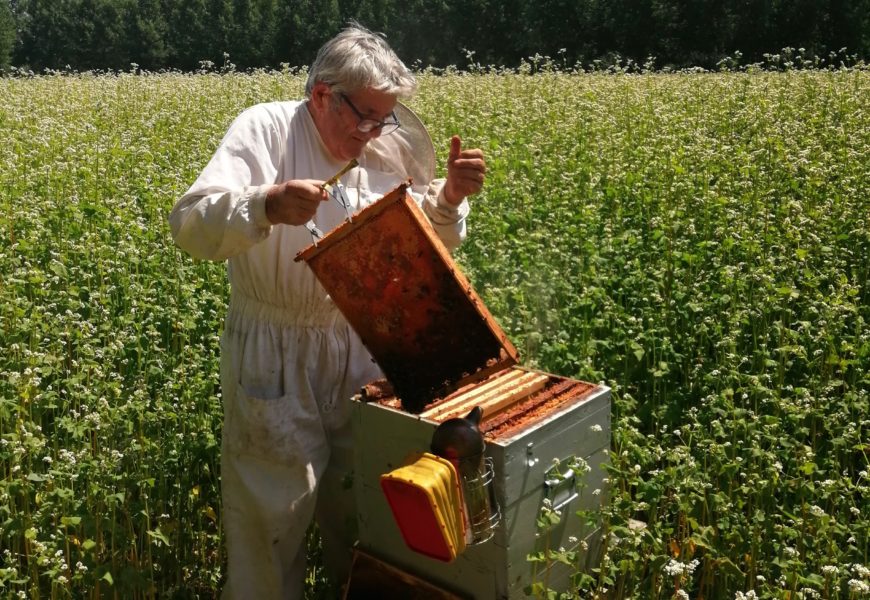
(321, 96)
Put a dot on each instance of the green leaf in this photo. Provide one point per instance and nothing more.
(159, 535)
(729, 567)
(808, 468)
(59, 269)
(638, 351)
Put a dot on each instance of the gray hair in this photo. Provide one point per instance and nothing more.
(356, 59)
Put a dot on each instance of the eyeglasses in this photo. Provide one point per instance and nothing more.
(367, 125)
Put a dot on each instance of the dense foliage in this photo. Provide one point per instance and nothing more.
(167, 34)
(698, 242)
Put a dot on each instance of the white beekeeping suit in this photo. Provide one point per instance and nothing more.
(289, 361)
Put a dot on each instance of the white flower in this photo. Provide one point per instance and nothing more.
(830, 570)
(750, 595)
(675, 568)
(596, 428)
(856, 586)
(682, 595)
(817, 511)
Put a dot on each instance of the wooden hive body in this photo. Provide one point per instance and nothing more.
(522, 463)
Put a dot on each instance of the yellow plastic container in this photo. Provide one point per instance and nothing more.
(425, 498)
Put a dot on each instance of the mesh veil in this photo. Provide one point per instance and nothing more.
(408, 151)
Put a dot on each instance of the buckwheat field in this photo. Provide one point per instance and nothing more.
(698, 241)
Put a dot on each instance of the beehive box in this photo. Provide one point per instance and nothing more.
(442, 354)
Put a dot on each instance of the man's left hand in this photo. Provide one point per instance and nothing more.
(466, 171)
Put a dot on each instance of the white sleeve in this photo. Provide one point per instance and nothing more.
(448, 221)
(224, 211)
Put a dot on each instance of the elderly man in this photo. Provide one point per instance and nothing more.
(289, 361)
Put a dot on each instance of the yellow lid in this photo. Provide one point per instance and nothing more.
(425, 498)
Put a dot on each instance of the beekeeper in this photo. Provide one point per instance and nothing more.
(289, 361)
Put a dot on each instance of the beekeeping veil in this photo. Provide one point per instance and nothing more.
(408, 151)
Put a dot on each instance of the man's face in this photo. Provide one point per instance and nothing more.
(337, 120)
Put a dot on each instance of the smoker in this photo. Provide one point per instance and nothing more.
(446, 361)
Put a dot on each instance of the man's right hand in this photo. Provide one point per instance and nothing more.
(294, 202)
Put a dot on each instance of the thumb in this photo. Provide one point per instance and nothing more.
(455, 148)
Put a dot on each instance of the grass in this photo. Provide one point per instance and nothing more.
(699, 242)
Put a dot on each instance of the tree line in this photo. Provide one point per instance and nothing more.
(244, 34)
